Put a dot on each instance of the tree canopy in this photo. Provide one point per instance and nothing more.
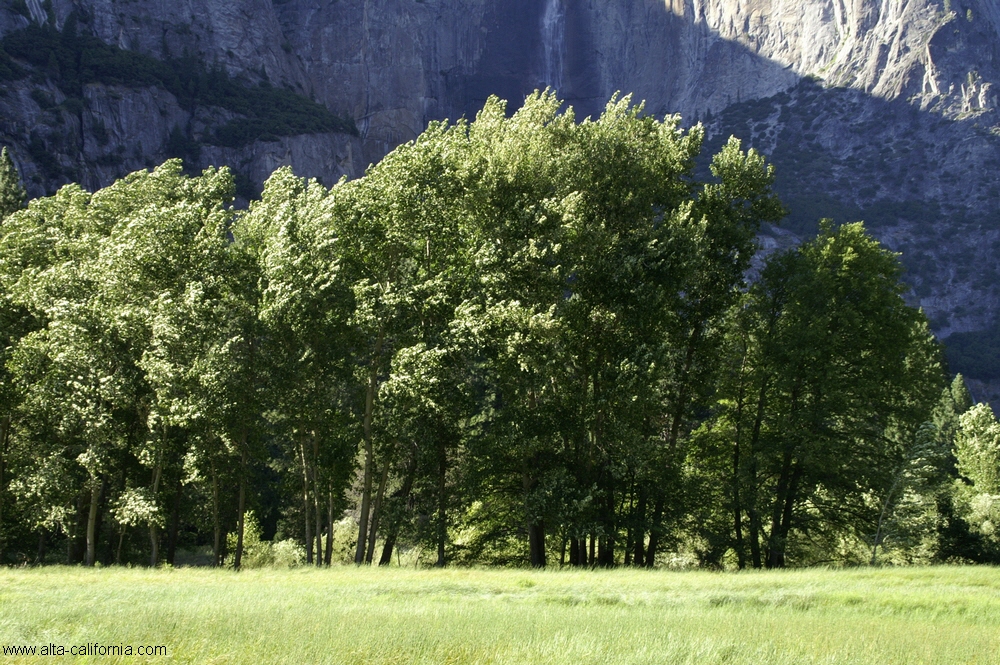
(519, 339)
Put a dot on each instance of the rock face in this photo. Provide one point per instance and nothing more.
(393, 65)
(875, 109)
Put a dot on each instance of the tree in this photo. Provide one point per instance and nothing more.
(517, 339)
(73, 370)
(399, 227)
(233, 370)
(605, 267)
(131, 287)
(837, 375)
(12, 325)
(167, 274)
(305, 306)
(977, 493)
(908, 521)
(12, 194)
(977, 447)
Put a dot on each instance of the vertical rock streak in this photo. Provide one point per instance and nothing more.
(38, 14)
(553, 43)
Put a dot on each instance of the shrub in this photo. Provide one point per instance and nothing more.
(259, 553)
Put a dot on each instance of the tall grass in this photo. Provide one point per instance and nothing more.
(349, 615)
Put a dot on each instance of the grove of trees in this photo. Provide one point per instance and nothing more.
(520, 340)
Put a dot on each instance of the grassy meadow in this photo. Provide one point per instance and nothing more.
(354, 616)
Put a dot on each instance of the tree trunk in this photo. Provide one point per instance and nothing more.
(366, 492)
(319, 531)
(755, 522)
(102, 511)
(535, 526)
(316, 504)
(442, 524)
(388, 546)
(329, 529)
(654, 531)
(630, 524)
(216, 521)
(639, 535)
(606, 551)
(306, 509)
(775, 546)
(684, 387)
(403, 495)
(755, 554)
(786, 515)
(154, 535)
(787, 479)
(73, 537)
(116, 540)
(95, 497)
(881, 517)
(40, 554)
(738, 508)
(737, 505)
(536, 543)
(680, 405)
(241, 504)
(4, 447)
(175, 512)
(377, 512)
(154, 538)
(606, 544)
(121, 541)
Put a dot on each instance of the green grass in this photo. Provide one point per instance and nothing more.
(347, 615)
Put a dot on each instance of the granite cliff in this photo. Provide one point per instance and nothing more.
(876, 109)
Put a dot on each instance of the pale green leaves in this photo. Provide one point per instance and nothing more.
(977, 446)
(136, 507)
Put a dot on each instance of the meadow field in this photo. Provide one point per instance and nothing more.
(348, 615)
